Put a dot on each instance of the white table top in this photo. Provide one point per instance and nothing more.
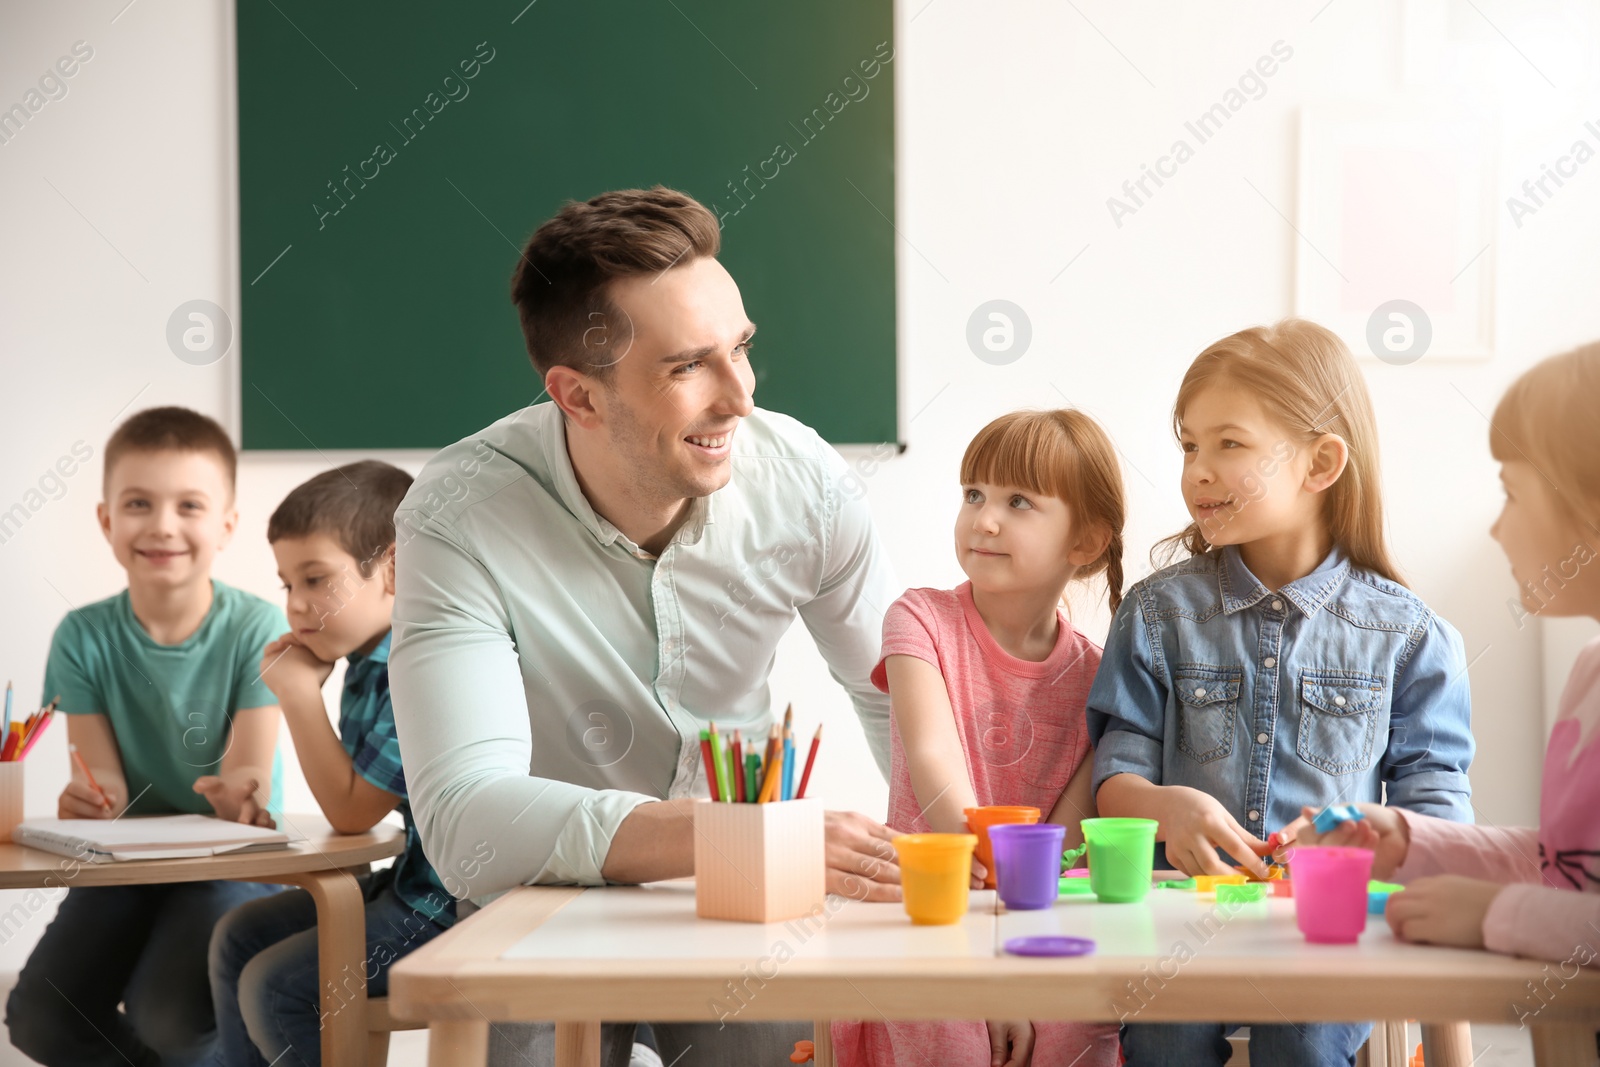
(658, 922)
(616, 952)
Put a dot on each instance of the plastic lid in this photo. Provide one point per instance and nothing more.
(1049, 946)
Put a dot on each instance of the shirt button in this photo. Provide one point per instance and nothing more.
(1277, 605)
(1263, 738)
(1254, 815)
(1270, 661)
(1199, 692)
(1339, 701)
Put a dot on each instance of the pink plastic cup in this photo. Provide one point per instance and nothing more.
(1330, 893)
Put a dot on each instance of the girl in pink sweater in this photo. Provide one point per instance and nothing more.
(1523, 892)
(987, 685)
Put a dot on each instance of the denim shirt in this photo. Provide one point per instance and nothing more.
(1340, 684)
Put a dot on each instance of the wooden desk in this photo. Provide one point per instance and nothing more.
(639, 953)
(315, 865)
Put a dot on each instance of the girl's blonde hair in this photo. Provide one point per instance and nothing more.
(1550, 419)
(1064, 454)
(1306, 380)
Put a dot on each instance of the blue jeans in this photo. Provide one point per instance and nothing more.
(138, 946)
(1281, 1045)
(264, 975)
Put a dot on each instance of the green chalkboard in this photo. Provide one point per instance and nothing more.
(394, 157)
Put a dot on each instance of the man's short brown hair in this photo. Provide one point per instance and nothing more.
(353, 504)
(170, 429)
(561, 284)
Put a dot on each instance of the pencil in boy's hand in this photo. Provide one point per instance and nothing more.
(811, 757)
(72, 750)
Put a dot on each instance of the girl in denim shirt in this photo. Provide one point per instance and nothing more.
(1283, 664)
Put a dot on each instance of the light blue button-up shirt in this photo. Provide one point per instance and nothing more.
(549, 676)
(1335, 687)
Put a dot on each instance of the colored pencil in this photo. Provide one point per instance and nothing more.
(719, 756)
(72, 750)
(708, 762)
(36, 733)
(774, 776)
(811, 758)
(737, 756)
(788, 765)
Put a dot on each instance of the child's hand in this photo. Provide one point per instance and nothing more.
(979, 873)
(1447, 909)
(1010, 1043)
(290, 668)
(1380, 829)
(1195, 824)
(79, 801)
(233, 801)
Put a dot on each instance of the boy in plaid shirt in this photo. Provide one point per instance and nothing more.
(334, 541)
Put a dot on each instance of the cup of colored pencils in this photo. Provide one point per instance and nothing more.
(759, 843)
(741, 775)
(20, 737)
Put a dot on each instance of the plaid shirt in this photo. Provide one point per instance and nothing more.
(366, 729)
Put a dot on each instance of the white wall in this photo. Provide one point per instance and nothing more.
(1016, 122)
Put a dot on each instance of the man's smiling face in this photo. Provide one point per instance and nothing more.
(681, 385)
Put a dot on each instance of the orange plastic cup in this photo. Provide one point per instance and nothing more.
(980, 819)
(935, 871)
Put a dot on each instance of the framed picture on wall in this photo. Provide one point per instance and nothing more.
(1397, 222)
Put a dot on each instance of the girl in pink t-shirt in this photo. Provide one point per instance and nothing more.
(987, 685)
(1519, 891)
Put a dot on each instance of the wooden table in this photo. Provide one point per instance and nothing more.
(316, 865)
(578, 956)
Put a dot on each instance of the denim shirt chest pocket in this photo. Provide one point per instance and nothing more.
(1208, 708)
(1339, 713)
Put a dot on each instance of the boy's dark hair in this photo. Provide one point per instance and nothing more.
(172, 429)
(353, 504)
(561, 284)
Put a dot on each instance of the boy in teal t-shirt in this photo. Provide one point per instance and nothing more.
(165, 703)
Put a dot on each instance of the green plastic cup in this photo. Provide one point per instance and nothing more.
(1121, 858)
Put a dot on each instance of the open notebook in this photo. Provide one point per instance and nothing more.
(150, 837)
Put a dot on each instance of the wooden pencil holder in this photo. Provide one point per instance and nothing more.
(11, 797)
(759, 863)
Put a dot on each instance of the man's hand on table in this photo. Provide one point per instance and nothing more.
(861, 862)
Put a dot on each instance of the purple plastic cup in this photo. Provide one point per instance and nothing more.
(1027, 861)
(1330, 892)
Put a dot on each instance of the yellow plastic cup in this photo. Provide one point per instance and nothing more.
(935, 871)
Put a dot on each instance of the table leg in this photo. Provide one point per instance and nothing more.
(1447, 1044)
(458, 1042)
(822, 1044)
(1563, 1043)
(577, 1045)
(341, 961)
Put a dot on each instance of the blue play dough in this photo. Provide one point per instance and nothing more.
(1334, 814)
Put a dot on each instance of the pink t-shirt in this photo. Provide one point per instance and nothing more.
(1021, 723)
(1552, 912)
(1023, 730)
